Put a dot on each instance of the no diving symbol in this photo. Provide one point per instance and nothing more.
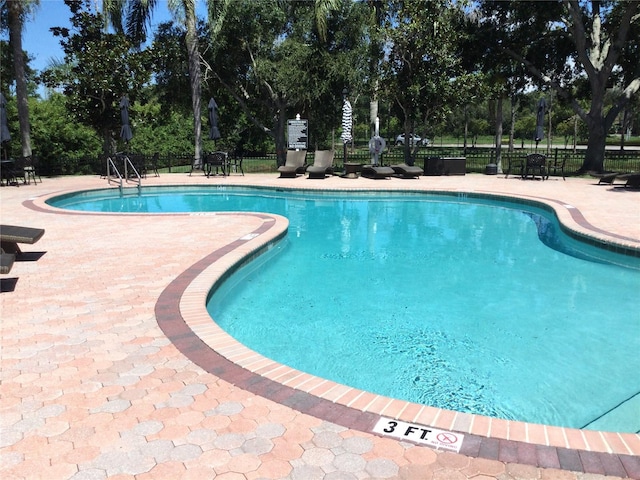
(447, 438)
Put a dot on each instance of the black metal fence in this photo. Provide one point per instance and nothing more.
(476, 160)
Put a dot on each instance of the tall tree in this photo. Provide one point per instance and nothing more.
(136, 15)
(424, 74)
(100, 68)
(271, 57)
(376, 56)
(16, 12)
(560, 41)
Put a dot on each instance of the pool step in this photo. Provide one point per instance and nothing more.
(625, 417)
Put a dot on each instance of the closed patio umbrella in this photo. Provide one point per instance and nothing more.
(125, 131)
(214, 132)
(346, 121)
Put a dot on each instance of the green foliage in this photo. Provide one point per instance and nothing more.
(157, 130)
(429, 64)
(423, 75)
(55, 133)
(7, 73)
(272, 61)
(561, 43)
(170, 64)
(104, 67)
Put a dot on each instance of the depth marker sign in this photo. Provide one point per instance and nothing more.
(419, 433)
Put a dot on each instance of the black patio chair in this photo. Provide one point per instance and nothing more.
(535, 162)
(152, 165)
(217, 160)
(234, 163)
(557, 165)
(515, 164)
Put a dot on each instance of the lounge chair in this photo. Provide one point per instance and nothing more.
(6, 262)
(374, 171)
(11, 236)
(322, 164)
(632, 180)
(605, 177)
(407, 171)
(294, 165)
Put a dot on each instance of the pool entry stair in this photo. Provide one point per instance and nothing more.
(130, 172)
(624, 412)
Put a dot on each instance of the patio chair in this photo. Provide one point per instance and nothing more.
(294, 165)
(535, 162)
(632, 180)
(12, 235)
(215, 160)
(19, 170)
(557, 165)
(139, 163)
(407, 171)
(606, 178)
(8, 172)
(6, 261)
(322, 164)
(152, 166)
(234, 163)
(377, 172)
(515, 164)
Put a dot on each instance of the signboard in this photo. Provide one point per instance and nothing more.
(298, 134)
(419, 434)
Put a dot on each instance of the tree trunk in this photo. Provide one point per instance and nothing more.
(408, 136)
(594, 156)
(623, 128)
(466, 128)
(15, 16)
(512, 124)
(550, 132)
(109, 145)
(499, 133)
(279, 133)
(195, 82)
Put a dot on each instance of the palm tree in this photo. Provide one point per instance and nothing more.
(323, 9)
(137, 14)
(17, 10)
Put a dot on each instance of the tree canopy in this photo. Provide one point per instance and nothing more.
(100, 68)
(420, 64)
(561, 43)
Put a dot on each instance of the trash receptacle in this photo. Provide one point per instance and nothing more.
(491, 169)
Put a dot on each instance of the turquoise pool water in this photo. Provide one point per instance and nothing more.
(471, 304)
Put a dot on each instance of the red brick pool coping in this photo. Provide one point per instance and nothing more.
(181, 314)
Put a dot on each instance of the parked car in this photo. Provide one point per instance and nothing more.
(415, 140)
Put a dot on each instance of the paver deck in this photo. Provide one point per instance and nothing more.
(111, 368)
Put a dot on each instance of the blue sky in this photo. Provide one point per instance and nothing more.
(43, 47)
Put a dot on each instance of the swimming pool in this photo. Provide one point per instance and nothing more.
(457, 295)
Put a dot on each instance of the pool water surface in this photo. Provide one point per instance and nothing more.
(469, 304)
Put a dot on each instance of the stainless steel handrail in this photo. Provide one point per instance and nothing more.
(116, 173)
(128, 166)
